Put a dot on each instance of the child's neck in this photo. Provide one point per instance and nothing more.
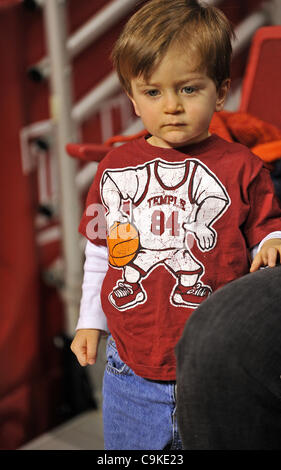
(155, 142)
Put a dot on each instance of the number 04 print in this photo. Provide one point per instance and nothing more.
(160, 222)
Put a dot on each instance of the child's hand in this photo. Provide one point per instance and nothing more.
(268, 254)
(85, 346)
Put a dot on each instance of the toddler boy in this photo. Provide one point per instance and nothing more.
(199, 205)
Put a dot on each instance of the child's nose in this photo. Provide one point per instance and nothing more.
(172, 103)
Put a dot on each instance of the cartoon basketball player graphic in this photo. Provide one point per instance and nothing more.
(164, 201)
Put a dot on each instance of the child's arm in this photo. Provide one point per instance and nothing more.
(91, 315)
(267, 255)
(92, 321)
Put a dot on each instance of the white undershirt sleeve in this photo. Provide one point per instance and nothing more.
(91, 313)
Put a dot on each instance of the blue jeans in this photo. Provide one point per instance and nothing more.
(138, 414)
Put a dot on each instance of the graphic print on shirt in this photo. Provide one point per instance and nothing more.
(155, 212)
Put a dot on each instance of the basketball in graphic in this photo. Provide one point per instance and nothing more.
(123, 243)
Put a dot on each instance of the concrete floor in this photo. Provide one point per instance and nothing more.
(84, 432)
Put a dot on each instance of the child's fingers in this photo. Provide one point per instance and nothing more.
(85, 346)
(91, 353)
(92, 346)
(256, 263)
(81, 356)
(267, 257)
(80, 352)
(272, 254)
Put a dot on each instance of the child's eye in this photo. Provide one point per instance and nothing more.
(188, 90)
(152, 93)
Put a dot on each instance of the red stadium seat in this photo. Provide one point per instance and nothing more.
(96, 152)
(261, 92)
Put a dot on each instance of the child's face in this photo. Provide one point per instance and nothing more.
(176, 104)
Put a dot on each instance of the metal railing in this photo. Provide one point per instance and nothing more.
(87, 34)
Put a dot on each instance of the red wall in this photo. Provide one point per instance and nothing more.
(25, 383)
(31, 371)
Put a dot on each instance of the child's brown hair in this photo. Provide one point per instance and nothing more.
(158, 24)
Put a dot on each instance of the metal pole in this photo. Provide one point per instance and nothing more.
(87, 34)
(274, 10)
(246, 29)
(60, 110)
(91, 103)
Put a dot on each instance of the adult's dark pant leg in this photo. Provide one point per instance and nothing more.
(229, 367)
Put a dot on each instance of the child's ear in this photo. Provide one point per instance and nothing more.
(222, 94)
(134, 104)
